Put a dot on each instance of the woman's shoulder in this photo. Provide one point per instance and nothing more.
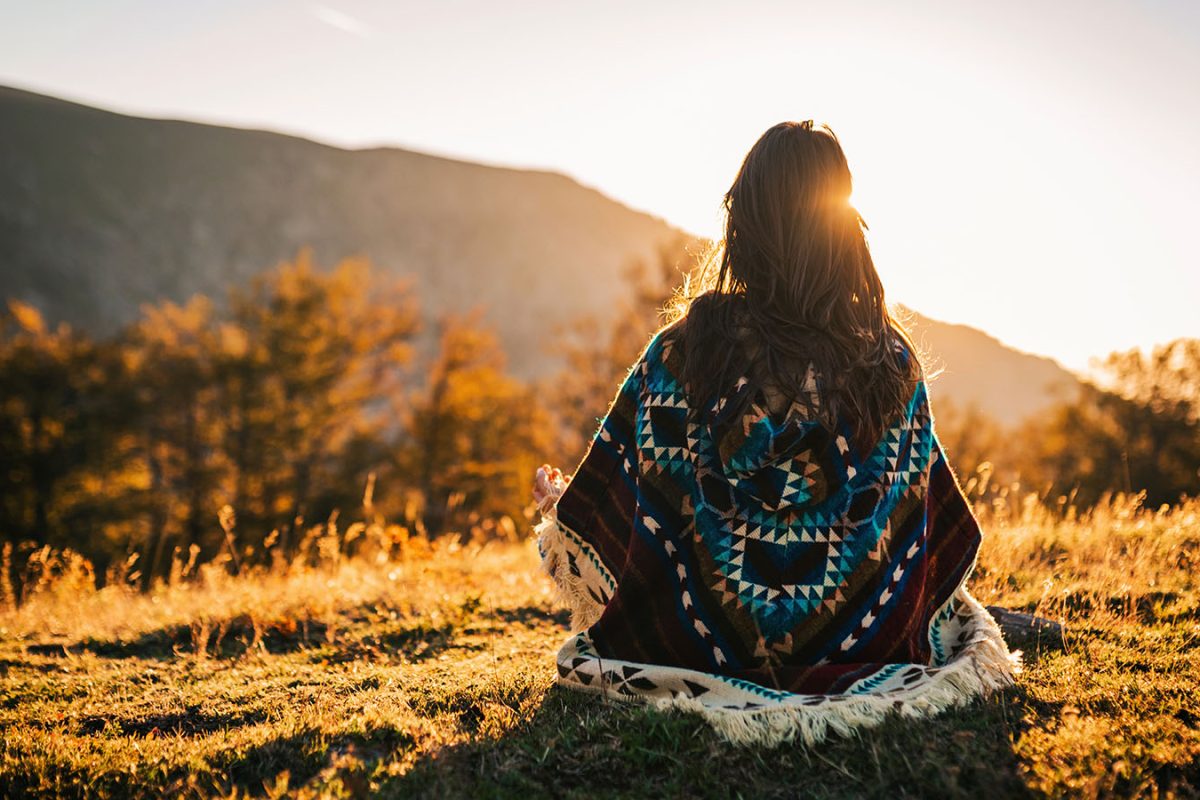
(673, 331)
(904, 348)
(653, 357)
(664, 339)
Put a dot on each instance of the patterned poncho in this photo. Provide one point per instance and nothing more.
(764, 572)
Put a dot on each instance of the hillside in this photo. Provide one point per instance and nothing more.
(431, 674)
(975, 369)
(101, 212)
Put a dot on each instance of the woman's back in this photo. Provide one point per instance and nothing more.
(764, 529)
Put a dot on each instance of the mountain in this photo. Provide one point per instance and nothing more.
(102, 212)
(972, 368)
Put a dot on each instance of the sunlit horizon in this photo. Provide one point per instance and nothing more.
(1028, 171)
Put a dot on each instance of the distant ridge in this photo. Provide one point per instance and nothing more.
(101, 212)
(975, 369)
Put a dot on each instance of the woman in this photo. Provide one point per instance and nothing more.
(765, 529)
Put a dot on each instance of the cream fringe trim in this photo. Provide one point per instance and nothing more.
(984, 668)
(569, 589)
(985, 665)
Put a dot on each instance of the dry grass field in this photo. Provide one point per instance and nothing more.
(384, 666)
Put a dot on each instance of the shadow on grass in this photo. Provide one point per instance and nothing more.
(355, 638)
(572, 744)
(408, 643)
(188, 723)
(11, 663)
(223, 639)
(349, 756)
(577, 744)
(531, 616)
(287, 761)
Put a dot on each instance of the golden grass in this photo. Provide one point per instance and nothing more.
(384, 665)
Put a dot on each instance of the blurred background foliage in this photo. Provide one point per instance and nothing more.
(213, 426)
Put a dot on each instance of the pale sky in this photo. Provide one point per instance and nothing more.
(1029, 168)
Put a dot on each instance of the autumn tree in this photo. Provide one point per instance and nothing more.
(1140, 432)
(172, 352)
(63, 426)
(307, 363)
(476, 435)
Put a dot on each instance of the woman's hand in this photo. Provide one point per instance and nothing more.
(547, 486)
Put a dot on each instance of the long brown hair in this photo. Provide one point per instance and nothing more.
(792, 284)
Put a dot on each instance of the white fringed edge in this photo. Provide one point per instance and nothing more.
(983, 666)
(569, 588)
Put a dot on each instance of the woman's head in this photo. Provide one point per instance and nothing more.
(793, 243)
(793, 283)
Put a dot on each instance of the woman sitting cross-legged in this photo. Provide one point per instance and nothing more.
(765, 529)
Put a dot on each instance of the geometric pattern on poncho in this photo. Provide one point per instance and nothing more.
(762, 566)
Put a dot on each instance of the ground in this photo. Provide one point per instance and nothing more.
(428, 672)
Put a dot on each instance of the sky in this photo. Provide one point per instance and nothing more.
(1028, 168)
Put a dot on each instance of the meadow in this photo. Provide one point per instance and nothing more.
(378, 663)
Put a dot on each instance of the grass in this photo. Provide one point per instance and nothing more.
(427, 671)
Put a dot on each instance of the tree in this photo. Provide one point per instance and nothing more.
(172, 352)
(1139, 434)
(307, 365)
(63, 435)
(1166, 380)
(476, 435)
